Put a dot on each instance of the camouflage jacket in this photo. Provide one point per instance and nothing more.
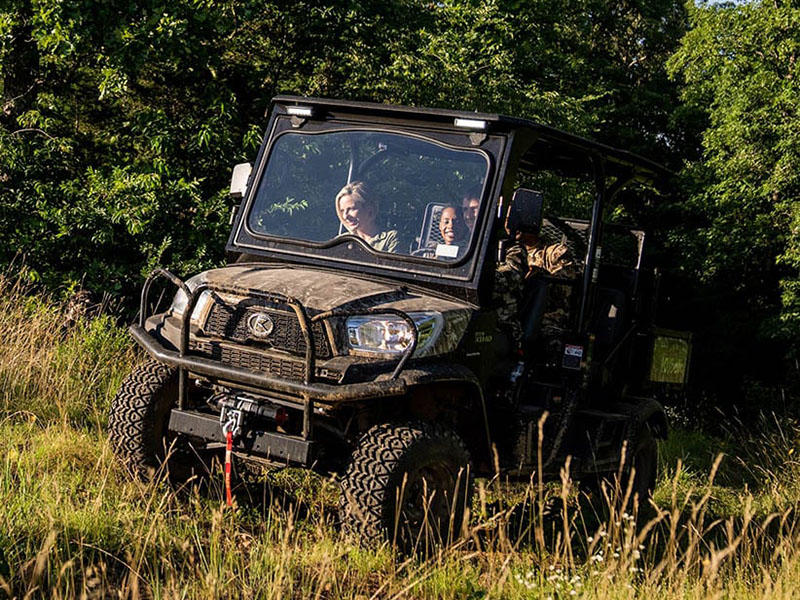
(552, 259)
(507, 292)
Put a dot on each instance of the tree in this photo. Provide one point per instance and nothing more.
(739, 66)
(121, 121)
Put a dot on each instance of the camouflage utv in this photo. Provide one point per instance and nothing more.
(317, 347)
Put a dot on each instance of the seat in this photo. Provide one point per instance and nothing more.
(609, 321)
(534, 300)
(429, 234)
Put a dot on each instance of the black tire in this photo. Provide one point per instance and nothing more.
(641, 462)
(137, 421)
(426, 467)
(644, 465)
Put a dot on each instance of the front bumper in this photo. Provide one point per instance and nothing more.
(277, 447)
(304, 394)
(322, 392)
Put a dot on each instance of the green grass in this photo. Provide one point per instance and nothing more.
(74, 524)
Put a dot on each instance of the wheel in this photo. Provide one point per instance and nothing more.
(137, 422)
(408, 484)
(644, 465)
(641, 462)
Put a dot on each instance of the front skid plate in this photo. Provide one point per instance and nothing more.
(275, 446)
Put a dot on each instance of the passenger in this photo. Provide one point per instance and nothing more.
(554, 260)
(528, 256)
(509, 277)
(453, 230)
(357, 210)
(470, 204)
(455, 236)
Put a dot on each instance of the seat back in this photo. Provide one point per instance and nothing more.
(534, 300)
(608, 324)
(429, 234)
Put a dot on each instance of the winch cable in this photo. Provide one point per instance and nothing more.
(228, 463)
(231, 421)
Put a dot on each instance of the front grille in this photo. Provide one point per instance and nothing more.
(285, 368)
(230, 323)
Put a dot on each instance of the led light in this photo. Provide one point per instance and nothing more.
(471, 123)
(390, 334)
(300, 111)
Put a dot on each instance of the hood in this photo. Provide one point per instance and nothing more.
(320, 291)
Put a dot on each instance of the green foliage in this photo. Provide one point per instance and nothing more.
(120, 122)
(738, 67)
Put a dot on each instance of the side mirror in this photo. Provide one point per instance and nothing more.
(525, 212)
(241, 173)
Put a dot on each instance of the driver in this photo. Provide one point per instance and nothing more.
(357, 210)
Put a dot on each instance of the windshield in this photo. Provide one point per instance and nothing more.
(397, 193)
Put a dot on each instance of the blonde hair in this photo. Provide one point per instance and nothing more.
(359, 191)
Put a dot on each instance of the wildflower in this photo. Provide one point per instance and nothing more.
(636, 555)
(590, 539)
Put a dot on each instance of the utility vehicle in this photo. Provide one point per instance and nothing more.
(388, 367)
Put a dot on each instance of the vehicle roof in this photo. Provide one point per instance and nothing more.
(553, 149)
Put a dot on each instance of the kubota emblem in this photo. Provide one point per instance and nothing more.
(260, 325)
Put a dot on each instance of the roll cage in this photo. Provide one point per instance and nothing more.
(512, 145)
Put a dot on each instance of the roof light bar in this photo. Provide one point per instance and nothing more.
(471, 124)
(300, 111)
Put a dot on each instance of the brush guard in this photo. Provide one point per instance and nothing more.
(308, 390)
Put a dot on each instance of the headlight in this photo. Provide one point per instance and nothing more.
(391, 335)
(181, 300)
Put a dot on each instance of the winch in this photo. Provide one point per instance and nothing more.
(234, 409)
(231, 417)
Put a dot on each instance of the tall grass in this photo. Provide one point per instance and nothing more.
(74, 524)
(52, 372)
